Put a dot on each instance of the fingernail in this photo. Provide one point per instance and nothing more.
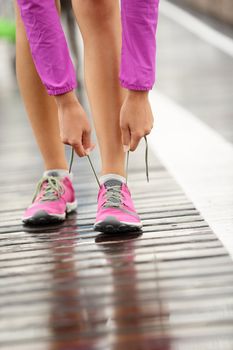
(126, 148)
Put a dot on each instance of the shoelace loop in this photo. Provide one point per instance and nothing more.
(53, 189)
(113, 196)
(127, 163)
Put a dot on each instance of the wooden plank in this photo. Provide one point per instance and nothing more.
(68, 287)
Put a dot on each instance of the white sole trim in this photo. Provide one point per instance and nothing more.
(122, 222)
(71, 206)
(59, 216)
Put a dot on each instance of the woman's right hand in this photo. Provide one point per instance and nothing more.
(75, 129)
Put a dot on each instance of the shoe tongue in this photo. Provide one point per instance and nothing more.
(112, 182)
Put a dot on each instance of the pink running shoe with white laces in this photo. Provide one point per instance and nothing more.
(116, 211)
(54, 198)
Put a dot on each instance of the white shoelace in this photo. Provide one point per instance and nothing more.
(53, 189)
(127, 163)
(113, 196)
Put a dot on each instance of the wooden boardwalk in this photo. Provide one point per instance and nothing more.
(67, 287)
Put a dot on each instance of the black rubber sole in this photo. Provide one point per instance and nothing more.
(112, 225)
(42, 218)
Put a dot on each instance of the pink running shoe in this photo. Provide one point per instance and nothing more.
(116, 212)
(54, 198)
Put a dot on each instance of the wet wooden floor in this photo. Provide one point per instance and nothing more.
(68, 287)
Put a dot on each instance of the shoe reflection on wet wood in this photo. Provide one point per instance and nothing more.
(114, 316)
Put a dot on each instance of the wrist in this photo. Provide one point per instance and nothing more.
(66, 99)
(138, 94)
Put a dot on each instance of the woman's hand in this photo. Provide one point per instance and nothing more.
(75, 129)
(136, 119)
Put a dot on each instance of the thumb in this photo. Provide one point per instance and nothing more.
(86, 141)
(125, 136)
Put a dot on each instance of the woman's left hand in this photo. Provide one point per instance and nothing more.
(136, 119)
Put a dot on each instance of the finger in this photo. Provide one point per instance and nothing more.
(87, 143)
(86, 139)
(78, 147)
(147, 131)
(125, 137)
(135, 139)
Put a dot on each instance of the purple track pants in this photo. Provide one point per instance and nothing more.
(51, 55)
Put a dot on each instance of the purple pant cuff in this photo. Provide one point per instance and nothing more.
(134, 86)
(60, 91)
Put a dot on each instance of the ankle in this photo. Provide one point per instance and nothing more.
(109, 176)
(114, 172)
(58, 172)
(51, 166)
